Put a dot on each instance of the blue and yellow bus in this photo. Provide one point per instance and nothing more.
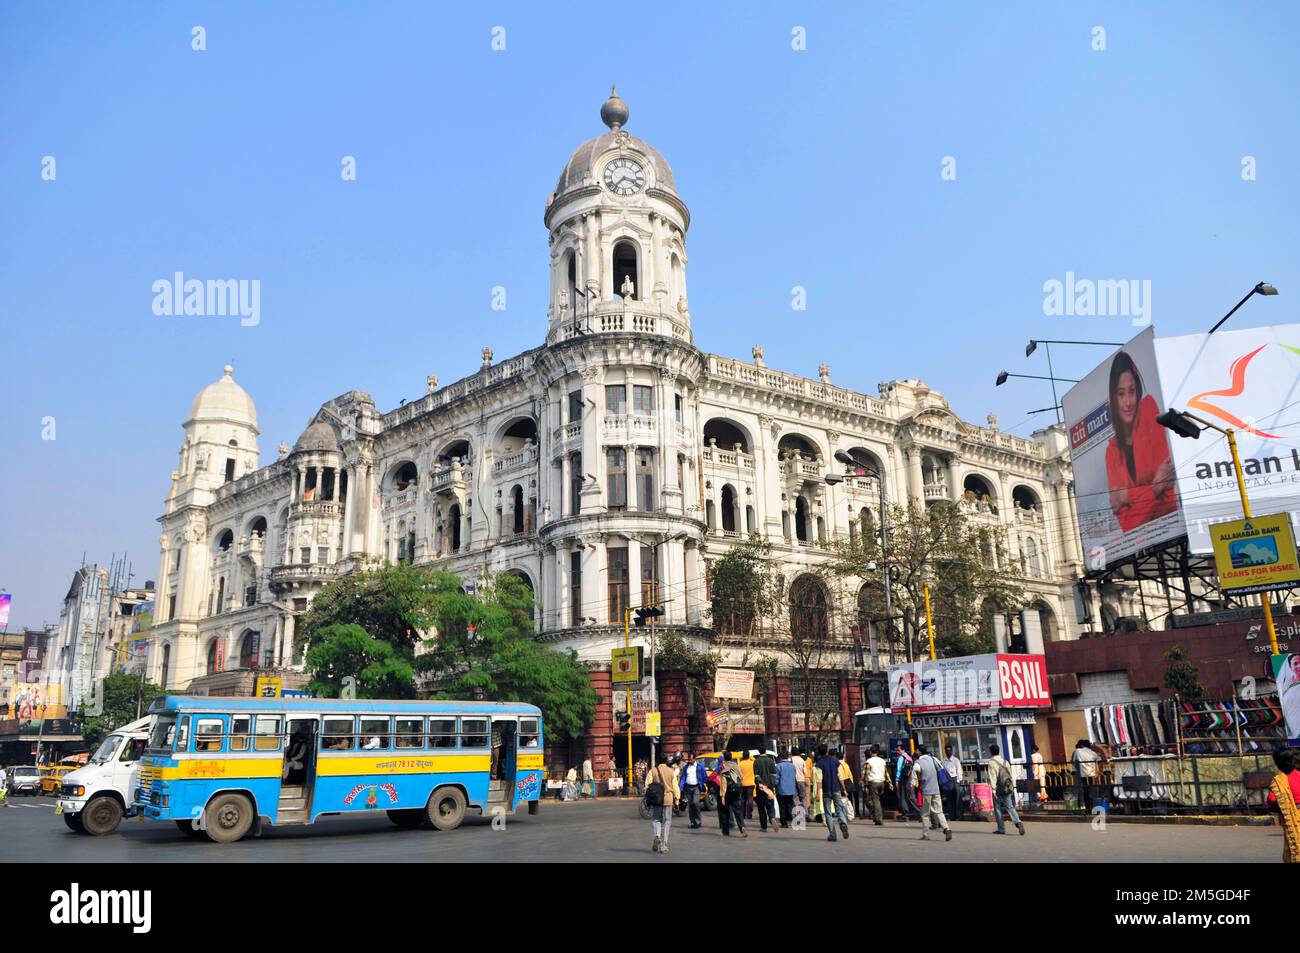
(220, 766)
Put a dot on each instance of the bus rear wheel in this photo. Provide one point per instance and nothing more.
(228, 818)
(101, 816)
(446, 809)
(407, 819)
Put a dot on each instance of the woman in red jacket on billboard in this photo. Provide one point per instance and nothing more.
(1139, 467)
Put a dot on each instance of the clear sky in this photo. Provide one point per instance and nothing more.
(820, 168)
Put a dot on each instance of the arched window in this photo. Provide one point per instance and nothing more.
(258, 527)
(728, 509)
(404, 476)
(517, 507)
(1024, 498)
(725, 435)
(751, 523)
(710, 515)
(166, 666)
(625, 266)
(250, 647)
(571, 283)
(214, 656)
(225, 541)
(1047, 622)
(801, 519)
(1033, 563)
(977, 490)
(793, 444)
(808, 616)
(453, 517)
(867, 524)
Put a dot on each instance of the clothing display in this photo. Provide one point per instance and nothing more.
(1212, 727)
(1133, 728)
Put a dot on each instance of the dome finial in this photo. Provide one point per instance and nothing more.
(228, 370)
(614, 112)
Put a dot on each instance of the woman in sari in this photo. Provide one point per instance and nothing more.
(1282, 796)
(1139, 466)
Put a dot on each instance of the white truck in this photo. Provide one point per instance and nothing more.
(95, 798)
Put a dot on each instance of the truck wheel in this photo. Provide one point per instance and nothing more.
(406, 819)
(101, 816)
(446, 809)
(74, 823)
(228, 818)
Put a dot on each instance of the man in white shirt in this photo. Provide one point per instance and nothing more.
(874, 773)
(588, 778)
(801, 778)
(952, 764)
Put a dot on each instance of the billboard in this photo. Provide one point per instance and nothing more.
(970, 681)
(5, 600)
(1138, 486)
(1286, 674)
(29, 701)
(1124, 465)
(1256, 554)
(735, 683)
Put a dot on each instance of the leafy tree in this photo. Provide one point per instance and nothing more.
(392, 603)
(341, 651)
(1183, 676)
(745, 588)
(122, 699)
(938, 545)
(484, 648)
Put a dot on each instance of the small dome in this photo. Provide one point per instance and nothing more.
(319, 436)
(581, 168)
(224, 400)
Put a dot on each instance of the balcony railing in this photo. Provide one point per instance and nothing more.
(620, 316)
(514, 461)
(315, 508)
(728, 458)
(936, 491)
(302, 572)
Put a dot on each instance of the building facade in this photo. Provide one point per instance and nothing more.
(606, 467)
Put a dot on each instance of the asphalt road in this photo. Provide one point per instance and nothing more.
(610, 831)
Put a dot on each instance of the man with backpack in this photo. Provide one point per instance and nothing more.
(931, 778)
(1003, 782)
(661, 795)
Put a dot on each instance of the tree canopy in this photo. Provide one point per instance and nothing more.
(123, 698)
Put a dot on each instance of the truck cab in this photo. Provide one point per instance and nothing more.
(94, 798)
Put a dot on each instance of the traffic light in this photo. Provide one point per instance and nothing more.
(624, 723)
(1179, 423)
(647, 612)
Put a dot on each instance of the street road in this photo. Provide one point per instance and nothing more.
(609, 831)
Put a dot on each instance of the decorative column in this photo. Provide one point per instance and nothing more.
(598, 743)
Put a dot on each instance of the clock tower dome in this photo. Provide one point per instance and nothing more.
(617, 238)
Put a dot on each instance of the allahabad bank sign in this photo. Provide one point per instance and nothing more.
(1139, 486)
(970, 681)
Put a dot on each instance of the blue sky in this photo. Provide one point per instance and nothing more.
(818, 168)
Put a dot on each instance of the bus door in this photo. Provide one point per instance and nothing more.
(298, 770)
(505, 758)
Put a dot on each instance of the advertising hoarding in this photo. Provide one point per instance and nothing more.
(737, 683)
(1256, 554)
(625, 665)
(1124, 466)
(970, 681)
(1247, 380)
(1286, 675)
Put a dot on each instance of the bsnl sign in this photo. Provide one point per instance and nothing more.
(1022, 680)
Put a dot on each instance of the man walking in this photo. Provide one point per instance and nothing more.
(925, 772)
(1003, 782)
(832, 799)
(800, 778)
(660, 787)
(786, 785)
(765, 790)
(588, 777)
(847, 787)
(1085, 770)
(902, 775)
(733, 797)
(874, 775)
(693, 780)
(952, 764)
(747, 783)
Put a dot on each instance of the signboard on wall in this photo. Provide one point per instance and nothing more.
(268, 687)
(643, 701)
(734, 683)
(1256, 554)
(625, 665)
(970, 681)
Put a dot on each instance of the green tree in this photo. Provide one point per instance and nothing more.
(745, 588)
(392, 603)
(341, 651)
(1182, 675)
(122, 699)
(938, 545)
(484, 648)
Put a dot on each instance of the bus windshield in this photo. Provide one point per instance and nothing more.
(163, 732)
(106, 749)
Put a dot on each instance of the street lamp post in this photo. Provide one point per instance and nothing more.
(1003, 375)
(1185, 425)
(1263, 288)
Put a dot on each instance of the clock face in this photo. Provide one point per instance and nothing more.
(624, 176)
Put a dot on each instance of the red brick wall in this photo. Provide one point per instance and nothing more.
(599, 741)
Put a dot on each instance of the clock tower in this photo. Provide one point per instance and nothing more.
(617, 238)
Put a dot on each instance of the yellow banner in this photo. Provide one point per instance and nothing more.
(1256, 554)
(212, 768)
(625, 666)
(405, 764)
(531, 761)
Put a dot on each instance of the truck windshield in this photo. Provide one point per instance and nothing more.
(106, 750)
(163, 731)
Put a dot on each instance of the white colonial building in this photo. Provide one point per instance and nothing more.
(606, 466)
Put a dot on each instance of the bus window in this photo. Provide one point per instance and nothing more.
(529, 735)
(410, 732)
(239, 731)
(374, 734)
(442, 732)
(207, 734)
(336, 734)
(267, 733)
(183, 733)
(473, 732)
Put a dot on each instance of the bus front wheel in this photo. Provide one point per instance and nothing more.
(446, 809)
(228, 818)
